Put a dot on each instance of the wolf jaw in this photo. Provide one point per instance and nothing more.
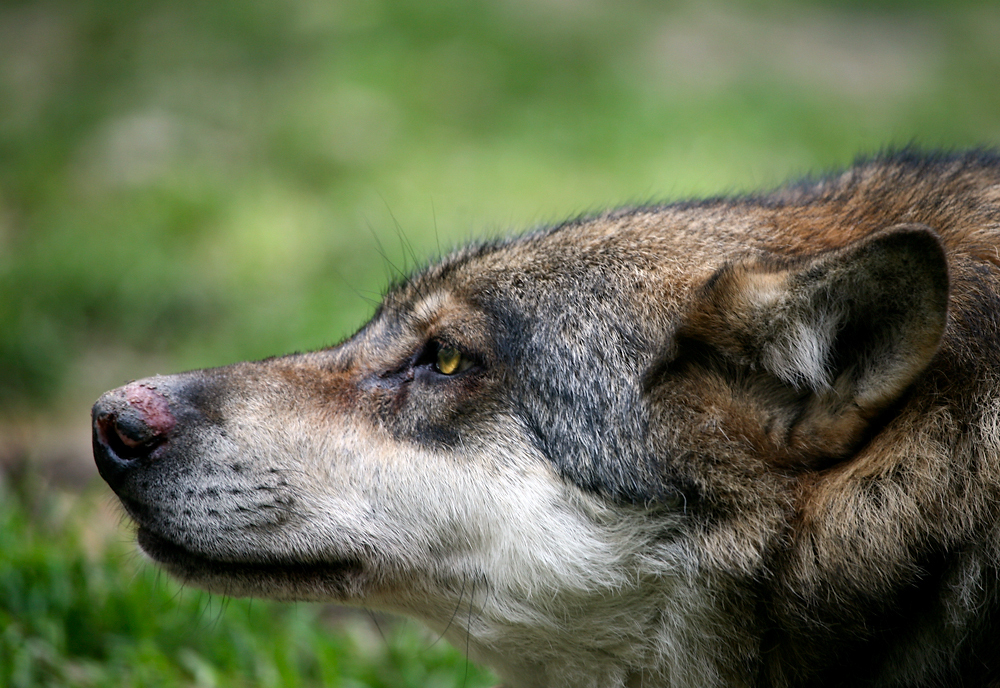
(724, 443)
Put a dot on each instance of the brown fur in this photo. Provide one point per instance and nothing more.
(783, 409)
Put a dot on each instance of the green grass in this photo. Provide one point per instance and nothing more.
(80, 611)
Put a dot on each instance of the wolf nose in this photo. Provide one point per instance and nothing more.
(128, 424)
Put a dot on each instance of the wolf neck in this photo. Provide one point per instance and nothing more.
(552, 664)
(652, 639)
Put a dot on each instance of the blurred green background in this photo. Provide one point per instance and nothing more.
(187, 183)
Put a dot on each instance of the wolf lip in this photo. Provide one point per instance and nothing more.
(189, 565)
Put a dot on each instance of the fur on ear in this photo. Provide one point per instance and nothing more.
(851, 329)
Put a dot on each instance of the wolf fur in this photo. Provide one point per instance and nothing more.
(749, 441)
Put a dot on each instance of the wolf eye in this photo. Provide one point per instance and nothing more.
(451, 361)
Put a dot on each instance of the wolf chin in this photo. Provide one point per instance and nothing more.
(749, 441)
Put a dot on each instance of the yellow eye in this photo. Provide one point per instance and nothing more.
(451, 361)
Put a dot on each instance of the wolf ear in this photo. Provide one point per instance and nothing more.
(851, 328)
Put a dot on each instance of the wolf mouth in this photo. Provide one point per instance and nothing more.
(339, 577)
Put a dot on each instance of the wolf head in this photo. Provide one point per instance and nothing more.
(706, 444)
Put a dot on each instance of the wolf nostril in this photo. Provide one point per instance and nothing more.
(127, 436)
(132, 431)
(132, 421)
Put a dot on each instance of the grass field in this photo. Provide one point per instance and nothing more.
(186, 183)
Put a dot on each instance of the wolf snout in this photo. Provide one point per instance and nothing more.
(129, 423)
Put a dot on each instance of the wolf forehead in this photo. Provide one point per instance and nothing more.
(616, 276)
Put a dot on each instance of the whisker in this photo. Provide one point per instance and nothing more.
(454, 613)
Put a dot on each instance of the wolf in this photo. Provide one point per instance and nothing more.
(743, 441)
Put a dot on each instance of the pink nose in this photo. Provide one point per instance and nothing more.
(133, 419)
(152, 406)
